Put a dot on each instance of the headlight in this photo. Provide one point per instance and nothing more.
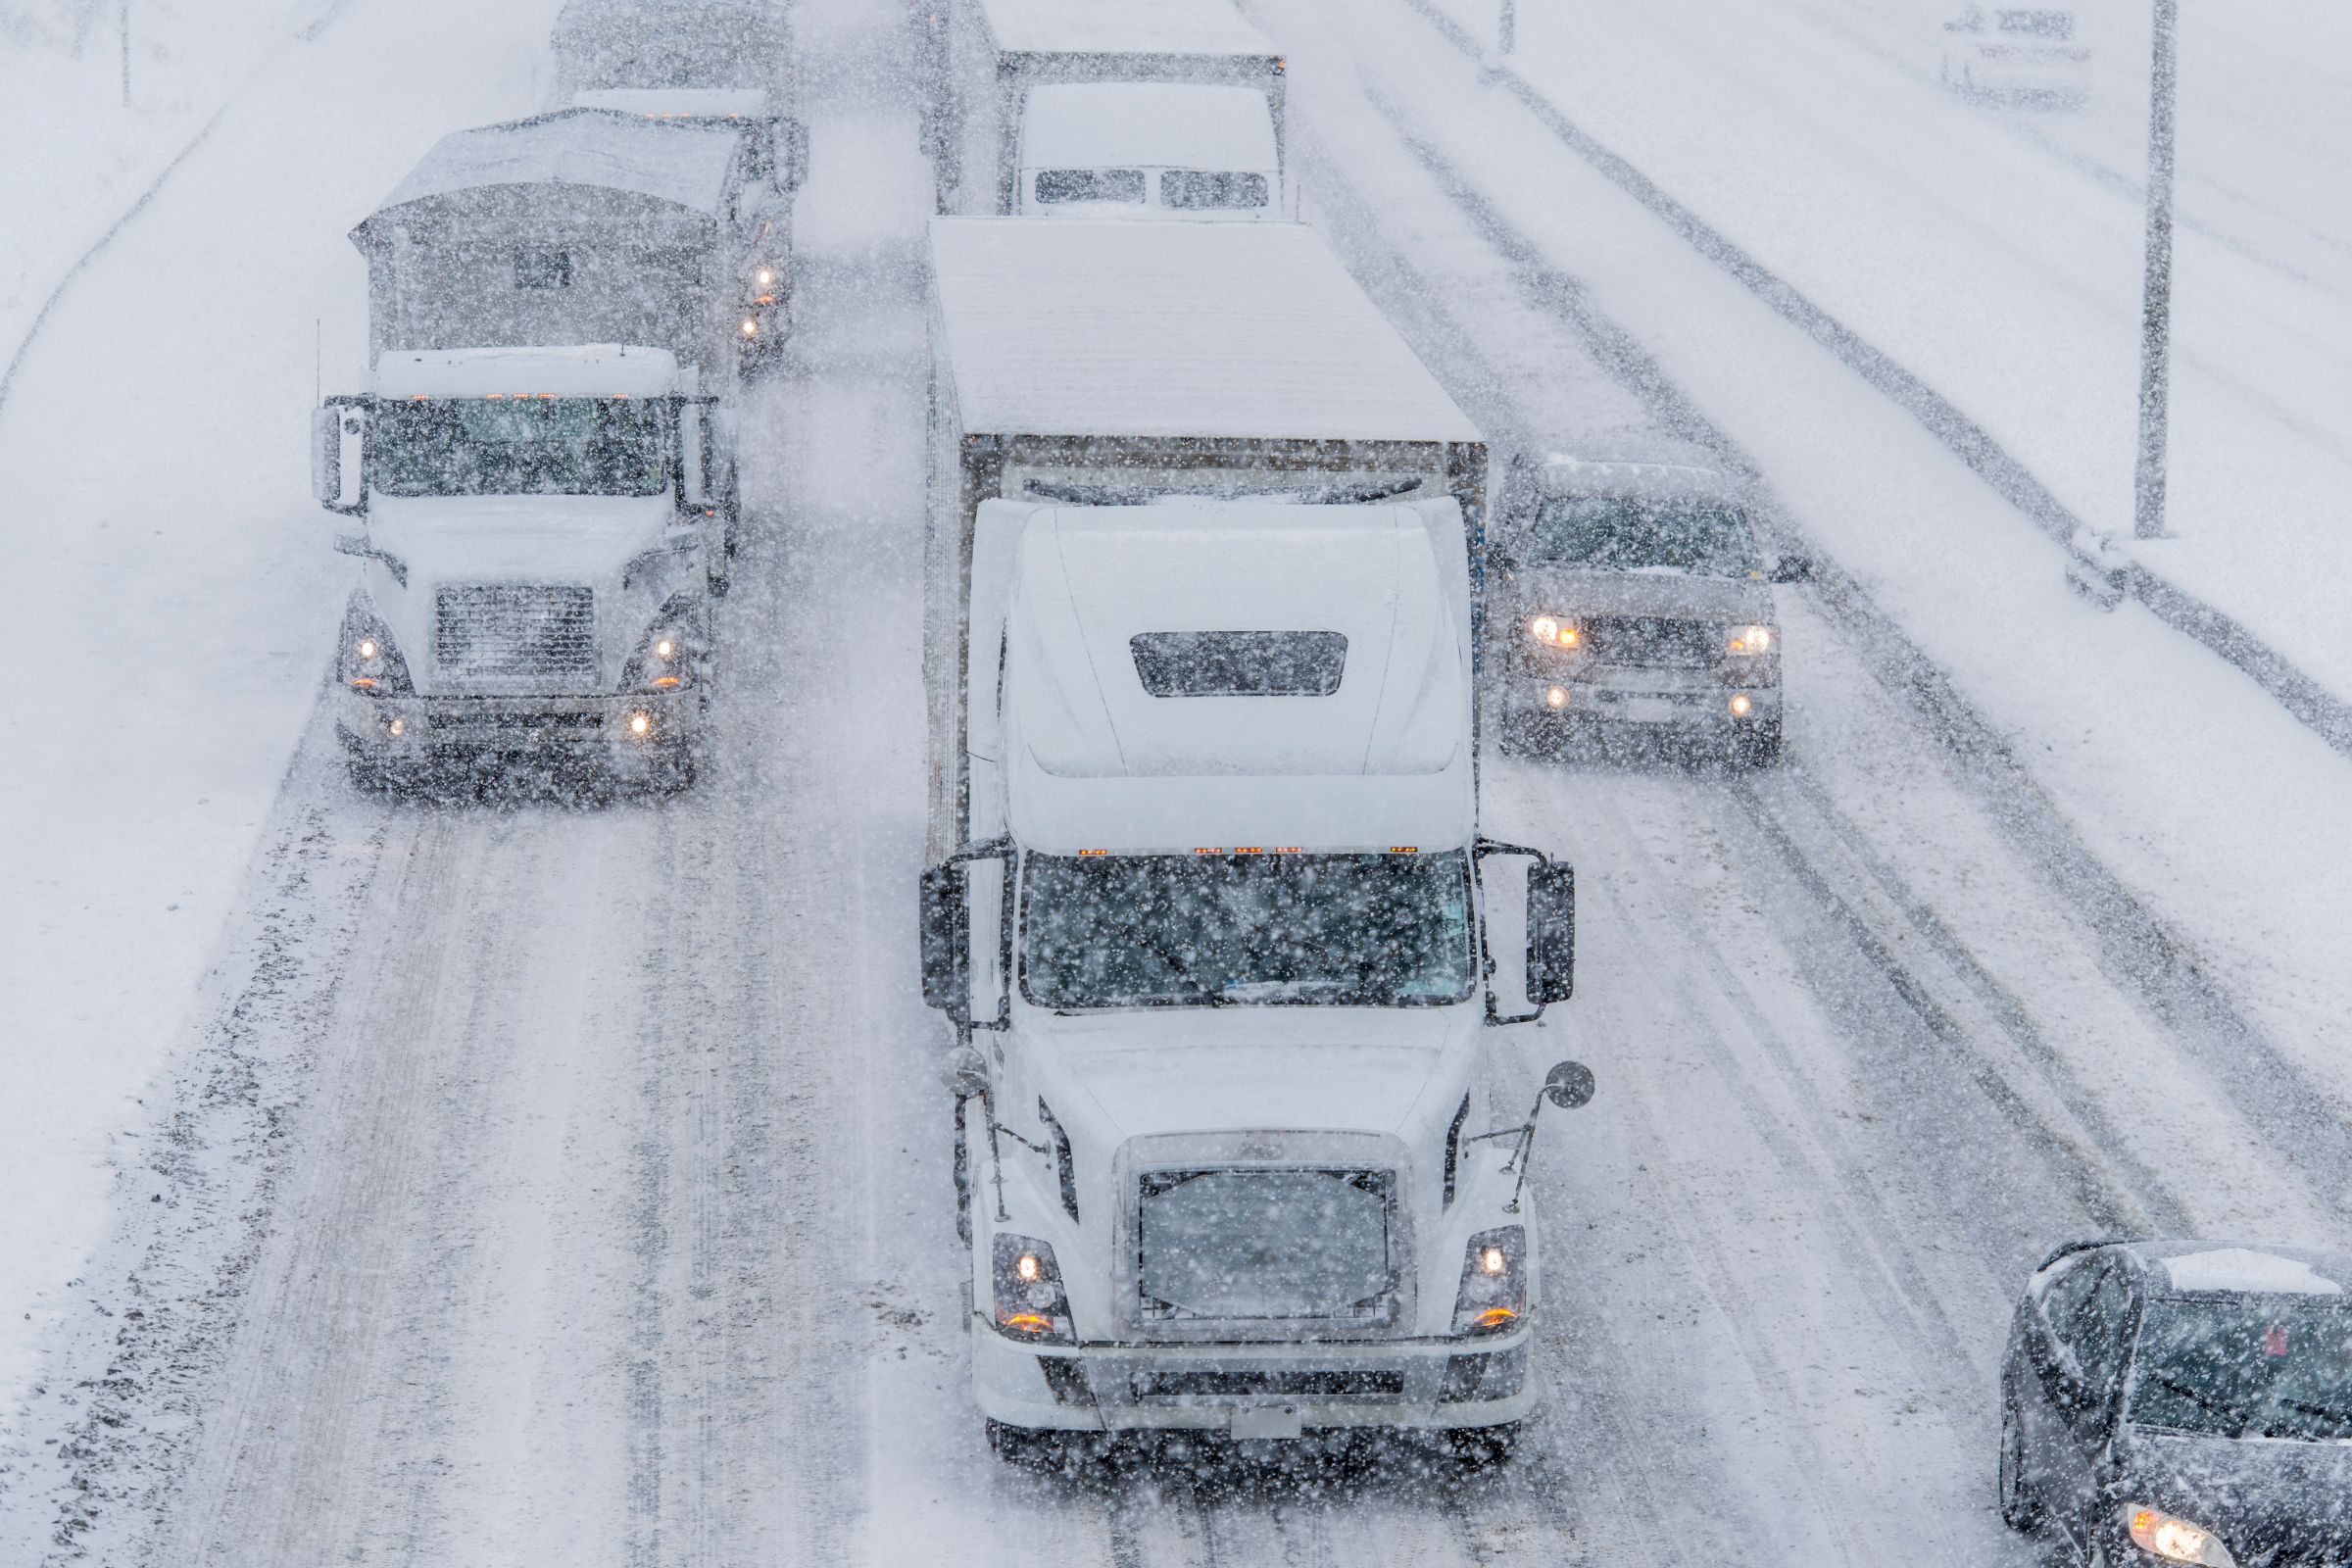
(1555, 631)
(2175, 1539)
(1751, 639)
(1027, 1287)
(368, 660)
(666, 656)
(1493, 1295)
(765, 277)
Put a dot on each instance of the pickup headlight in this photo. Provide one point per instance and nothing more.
(1555, 631)
(1492, 1298)
(1027, 1286)
(368, 660)
(2173, 1538)
(1751, 639)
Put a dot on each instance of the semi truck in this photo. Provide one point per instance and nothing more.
(539, 478)
(1074, 108)
(1209, 913)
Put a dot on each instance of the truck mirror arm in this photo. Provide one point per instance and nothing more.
(1568, 1086)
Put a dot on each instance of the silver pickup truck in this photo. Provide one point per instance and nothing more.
(1627, 591)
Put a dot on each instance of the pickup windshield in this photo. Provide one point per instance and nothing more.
(2246, 1368)
(521, 447)
(1214, 930)
(1623, 533)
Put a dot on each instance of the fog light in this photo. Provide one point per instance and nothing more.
(1742, 704)
(397, 727)
(664, 648)
(1557, 697)
(765, 276)
(367, 648)
(751, 328)
(640, 723)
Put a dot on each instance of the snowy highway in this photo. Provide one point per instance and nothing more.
(550, 1180)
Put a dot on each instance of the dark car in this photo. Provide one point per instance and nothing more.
(2183, 1403)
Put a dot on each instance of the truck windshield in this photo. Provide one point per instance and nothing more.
(1212, 930)
(1623, 533)
(521, 447)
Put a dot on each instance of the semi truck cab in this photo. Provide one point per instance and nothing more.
(541, 528)
(1218, 959)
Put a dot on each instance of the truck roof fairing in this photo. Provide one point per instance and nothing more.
(1091, 27)
(685, 163)
(594, 371)
(1157, 330)
(1154, 124)
(1379, 762)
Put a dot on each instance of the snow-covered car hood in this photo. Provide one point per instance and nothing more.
(1221, 1070)
(582, 539)
(2258, 1495)
(1567, 591)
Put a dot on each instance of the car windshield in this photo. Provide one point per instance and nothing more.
(1623, 533)
(2269, 1367)
(1209, 930)
(1090, 186)
(520, 447)
(1194, 188)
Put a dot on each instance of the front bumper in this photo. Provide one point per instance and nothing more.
(1633, 697)
(1255, 1389)
(394, 730)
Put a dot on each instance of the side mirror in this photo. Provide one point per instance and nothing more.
(1569, 1086)
(1551, 934)
(338, 448)
(722, 443)
(963, 1073)
(1793, 569)
(791, 168)
(696, 488)
(946, 936)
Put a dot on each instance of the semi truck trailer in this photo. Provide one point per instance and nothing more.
(539, 476)
(1060, 108)
(1210, 915)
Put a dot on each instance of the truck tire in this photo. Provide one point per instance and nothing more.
(717, 577)
(1757, 745)
(1029, 1448)
(1482, 1447)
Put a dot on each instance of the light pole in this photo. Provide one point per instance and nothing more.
(2156, 297)
(1507, 27)
(123, 28)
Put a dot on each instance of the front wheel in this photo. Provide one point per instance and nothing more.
(1480, 1447)
(2020, 1508)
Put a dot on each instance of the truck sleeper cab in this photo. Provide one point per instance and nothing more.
(1150, 150)
(1219, 957)
(539, 529)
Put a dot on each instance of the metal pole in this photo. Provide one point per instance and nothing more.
(2156, 299)
(1506, 30)
(122, 27)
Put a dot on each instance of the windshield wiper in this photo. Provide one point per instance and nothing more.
(2204, 1400)
(1184, 971)
(2340, 1419)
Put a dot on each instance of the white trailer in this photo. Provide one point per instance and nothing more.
(1209, 919)
(603, 44)
(1126, 109)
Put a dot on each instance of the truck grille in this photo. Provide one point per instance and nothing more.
(516, 630)
(1238, 1245)
(1653, 642)
(1354, 1387)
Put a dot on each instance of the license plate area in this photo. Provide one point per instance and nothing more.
(1261, 1421)
(1649, 709)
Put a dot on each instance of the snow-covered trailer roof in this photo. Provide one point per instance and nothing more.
(1160, 330)
(1154, 124)
(1094, 27)
(685, 163)
(670, 43)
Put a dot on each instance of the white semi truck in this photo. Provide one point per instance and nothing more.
(540, 478)
(1210, 912)
(1080, 108)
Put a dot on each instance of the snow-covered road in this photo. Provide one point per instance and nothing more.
(565, 1182)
